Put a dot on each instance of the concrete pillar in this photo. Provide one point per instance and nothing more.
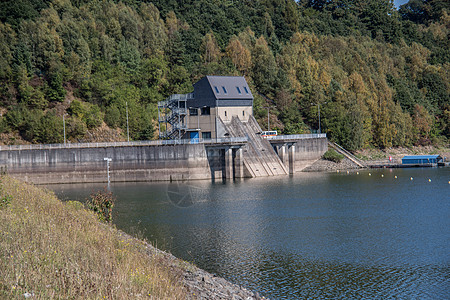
(291, 159)
(239, 164)
(228, 163)
(282, 153)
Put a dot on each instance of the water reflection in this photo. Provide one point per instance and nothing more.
(310, 236)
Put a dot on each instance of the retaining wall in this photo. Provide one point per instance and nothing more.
(129, 163)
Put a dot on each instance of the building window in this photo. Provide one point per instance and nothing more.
(193, 111)
(239, 90)
(243, 113)
(217, 90)
(245, 89)
(225, 113)
(206, 111)
(224, 90)
(206, 135)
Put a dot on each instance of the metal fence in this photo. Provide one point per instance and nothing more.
(229, 140)
(297, 136)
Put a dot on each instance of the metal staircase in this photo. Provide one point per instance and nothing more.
(171, 114)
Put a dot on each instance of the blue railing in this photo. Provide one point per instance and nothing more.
(297, 136)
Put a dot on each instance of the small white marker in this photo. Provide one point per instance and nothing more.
(411, 178)
(429, 180)
(357, 173)
(370, 174)
(395, 176)
(382, 175)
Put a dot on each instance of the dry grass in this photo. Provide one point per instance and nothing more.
(51, 249)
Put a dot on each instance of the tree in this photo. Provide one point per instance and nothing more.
(264, 67)
(239, 55)
(209, 49)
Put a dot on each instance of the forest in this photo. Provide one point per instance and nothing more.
(380, 76)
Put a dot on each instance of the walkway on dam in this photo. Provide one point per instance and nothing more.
(220, 141)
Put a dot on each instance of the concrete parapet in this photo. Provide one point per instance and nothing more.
(131, 163)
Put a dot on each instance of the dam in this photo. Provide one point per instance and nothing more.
(208, 134)
(163, 160)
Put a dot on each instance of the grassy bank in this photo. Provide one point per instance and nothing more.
(52, 249)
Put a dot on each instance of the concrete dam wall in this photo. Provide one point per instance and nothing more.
(128, 163)
(148, 161)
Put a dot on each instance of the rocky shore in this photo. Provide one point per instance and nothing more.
(375, 157)
(198, 283)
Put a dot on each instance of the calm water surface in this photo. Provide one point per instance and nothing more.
(327, 235)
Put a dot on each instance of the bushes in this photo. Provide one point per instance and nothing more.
(102, 203)
(332, 155)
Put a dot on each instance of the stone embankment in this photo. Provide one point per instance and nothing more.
(374, 157)
(200, 284)
(323, 165)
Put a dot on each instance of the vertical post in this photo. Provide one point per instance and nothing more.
(268, 119)
(159, 122)
(291, 159)
(64, 125)
(108, 160)
(128, 131)
(318, 108)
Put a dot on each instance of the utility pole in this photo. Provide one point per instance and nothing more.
(268, 116)
(318, 111)
(64, 126)
(128, 130)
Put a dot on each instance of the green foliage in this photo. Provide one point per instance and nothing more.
(380, 75)
(5, 201)
(332, 155)
(102, 203)
(90, 114)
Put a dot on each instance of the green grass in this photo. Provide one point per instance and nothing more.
(332, 155)
(57, 250)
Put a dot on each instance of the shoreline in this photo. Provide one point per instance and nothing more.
(375, 157)
(199, 283)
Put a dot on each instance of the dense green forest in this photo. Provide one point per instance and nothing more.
(380, 75)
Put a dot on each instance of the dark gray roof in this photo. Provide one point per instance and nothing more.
(230, 87)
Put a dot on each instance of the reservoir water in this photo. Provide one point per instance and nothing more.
(313, 235)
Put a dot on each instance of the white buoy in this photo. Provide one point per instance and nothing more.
(395, 176)
(411, 178)
(382, 175)
(357, 173)
(429, 180)
(370, 174)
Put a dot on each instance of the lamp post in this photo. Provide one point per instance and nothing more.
(64, 126)
(128, 131)
(268, 116)
(318, 111)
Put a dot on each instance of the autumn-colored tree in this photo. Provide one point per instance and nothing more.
(240, 56)
(209, 49)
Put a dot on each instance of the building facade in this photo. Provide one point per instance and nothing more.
(201, 114)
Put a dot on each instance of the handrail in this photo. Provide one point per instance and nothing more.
(347, 154)
(122, 144)
(297, 136)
